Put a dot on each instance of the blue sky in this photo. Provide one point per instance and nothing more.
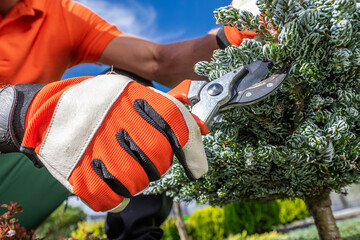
(159, 21)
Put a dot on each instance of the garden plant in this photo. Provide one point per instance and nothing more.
(304, 140)
(10, 229)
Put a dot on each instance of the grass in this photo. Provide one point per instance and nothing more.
(349, 230)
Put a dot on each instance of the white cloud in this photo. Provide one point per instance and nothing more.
(133, 18)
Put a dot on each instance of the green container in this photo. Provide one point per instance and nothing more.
(33, 188)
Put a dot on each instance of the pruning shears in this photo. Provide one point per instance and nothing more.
(242, 86)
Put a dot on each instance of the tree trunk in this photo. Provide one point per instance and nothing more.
(320, 208)
(180, 222)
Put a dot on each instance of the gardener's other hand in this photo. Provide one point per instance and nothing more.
(227, 35)
(106, 137)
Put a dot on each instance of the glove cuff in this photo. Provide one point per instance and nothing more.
(8, 141)
(14, 103)
(221, 39)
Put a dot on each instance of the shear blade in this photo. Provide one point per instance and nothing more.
(259, 90)
(257, 70)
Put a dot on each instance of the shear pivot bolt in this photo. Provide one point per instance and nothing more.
(215, 89)
(248, 94)
(269, 84)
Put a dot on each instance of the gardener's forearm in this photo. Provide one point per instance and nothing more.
(168, 64)
(176, 61)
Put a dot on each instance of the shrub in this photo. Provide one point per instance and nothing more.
(291, 210)
(90, 230)
(257, 217)
(251, 216)
(238, 218)
(9, 229)
(302, 141)
(170, 229)
(265, 236)
(207, 223)
(61, 222)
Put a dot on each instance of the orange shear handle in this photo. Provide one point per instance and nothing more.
(180, 92)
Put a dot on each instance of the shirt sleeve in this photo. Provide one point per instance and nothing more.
(89, 33)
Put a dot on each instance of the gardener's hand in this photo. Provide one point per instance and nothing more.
(227, 35)
(105, 138)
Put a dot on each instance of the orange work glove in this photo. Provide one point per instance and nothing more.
(227, 36)
(105, 138)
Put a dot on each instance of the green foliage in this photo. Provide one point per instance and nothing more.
(61, 222)
(237, 218)
(251, 217)
(9, 228)
(349, 228)
(265, 236)
(207, 223)
(90, 230)
(257, 217)
(305, 137)
(291, 210)
(170, 230)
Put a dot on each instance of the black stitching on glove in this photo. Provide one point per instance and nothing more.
(31, 154)
(144, 109)
(130, 147)
(101, 170)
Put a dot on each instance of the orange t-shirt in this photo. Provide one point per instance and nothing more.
(40, 39)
